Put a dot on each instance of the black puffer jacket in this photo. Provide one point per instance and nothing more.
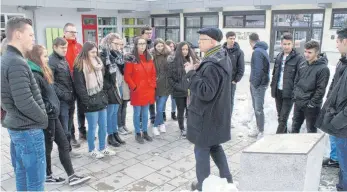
(110, 80)
(176, 78)
(63, 84)
(20, 96)
(92, 103)
(209, 116)
(293, 60)
(333, 116)
(237, 58)
(49, 96)
(311, 82)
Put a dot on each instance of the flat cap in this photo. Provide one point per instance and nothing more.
(214, 33)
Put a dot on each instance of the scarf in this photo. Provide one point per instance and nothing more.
(94, 77)
(114, 58)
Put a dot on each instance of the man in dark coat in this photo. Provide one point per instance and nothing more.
(283, 76)
(309, 88)
(208, 123)
(333, 116)
(237, 58)
(259, 80)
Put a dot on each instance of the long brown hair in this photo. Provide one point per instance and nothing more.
(135, 51)
(35, 56)
(83, 56)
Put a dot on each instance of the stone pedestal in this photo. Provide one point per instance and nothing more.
(283, 162)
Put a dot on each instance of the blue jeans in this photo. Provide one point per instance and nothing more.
(341, 148)
(258, 96)
(112, 118)
(173, 104)
(141, 110)
(202, 158)
(333, 153)
(28, 159)
(94, 118)
(161, 101)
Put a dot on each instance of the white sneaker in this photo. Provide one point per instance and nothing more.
(253, 132)
(260, 135)
(156, 131)
(162, 128)
(108, 152)
(96, 154)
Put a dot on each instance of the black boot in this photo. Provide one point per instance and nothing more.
(118, 139)
(173, 116)
(164, 116)
(112, 141)
(139, 138)
(147, 137)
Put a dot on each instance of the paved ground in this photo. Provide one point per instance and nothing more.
(166, 164)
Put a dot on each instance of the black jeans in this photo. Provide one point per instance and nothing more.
(233, 89)
(181, 103)
(66, 119)
(55, 133)
(302, 113)
(152, 111)
(122, 113)
(283, 106)
(81, 121)
(202, 158)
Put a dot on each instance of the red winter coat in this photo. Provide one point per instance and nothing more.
(141, 78)
(73, 49)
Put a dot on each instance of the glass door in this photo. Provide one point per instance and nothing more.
(301, 36)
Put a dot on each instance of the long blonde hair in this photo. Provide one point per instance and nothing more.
(108, 39)
(35, 56)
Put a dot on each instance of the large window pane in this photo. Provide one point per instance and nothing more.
(160, 33)
(192, 36)
(173, 34)
(234, 21)
(317, 20)
(128, 21)
(107, 21)
(159, 22)
(141, 21)
(316, 35)
(210, 21)
(173, 21)
(193, 21)
(339, 20)
(300, 20)
(3, 24)
(282, 20)
(255, 20)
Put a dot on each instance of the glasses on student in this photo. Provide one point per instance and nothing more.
(118, 44)
(142, 44)
(148, 33)
(74, 32)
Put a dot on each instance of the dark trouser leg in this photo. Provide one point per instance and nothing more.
(63, 148)
(258, 96)
(122, 112)
(64, 119)
(71, 123)
(220, 160)
(233, 89)
(298, 118)
(49, 137)
(81, 119)
(181, 103)
(202, 158)
(152, 111)
(284, 106)
(311, 115)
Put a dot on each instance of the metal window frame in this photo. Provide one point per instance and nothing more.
(201, 16)
(243, 14)
(336, 11)
(166, 27)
